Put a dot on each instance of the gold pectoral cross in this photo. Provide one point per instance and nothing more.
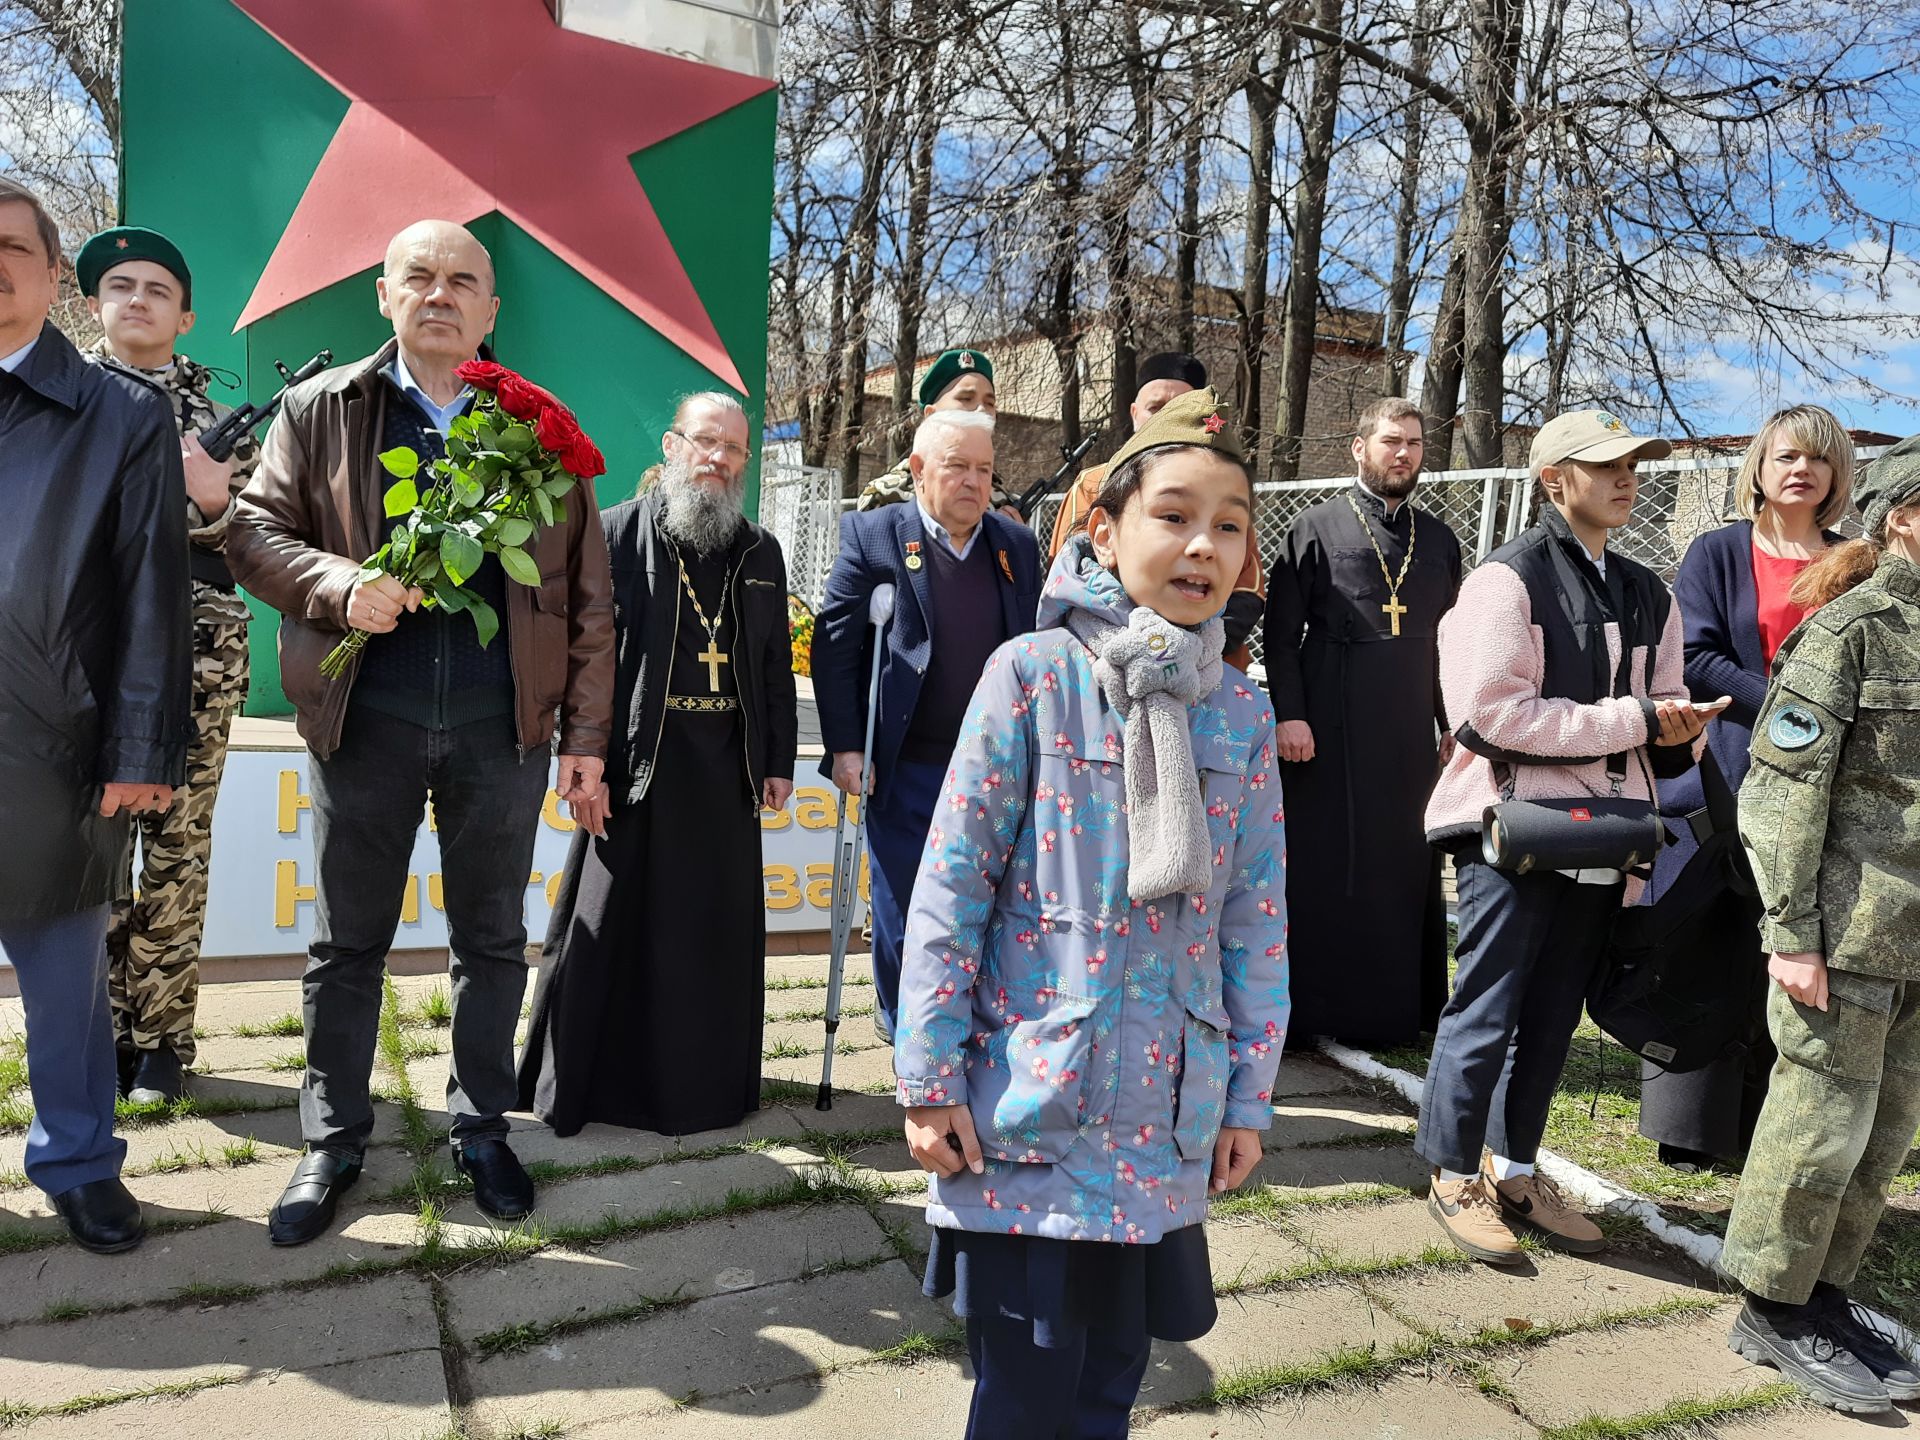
(1394, 609)
(713, 657)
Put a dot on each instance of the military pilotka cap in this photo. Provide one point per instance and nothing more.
(951, 365)
(1591, 435)
(1885, 484)
(128, 242)
(1195, 418)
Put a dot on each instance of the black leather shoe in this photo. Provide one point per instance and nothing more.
(501, 1185)
(102, 1216)
(1796, 1342)
(157, 1077)
(1843, 1320)
(125, 1061)
(305, 1208)
(1685, 1161)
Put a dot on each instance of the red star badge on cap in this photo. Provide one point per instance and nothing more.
(1215, 424)
(121, 243)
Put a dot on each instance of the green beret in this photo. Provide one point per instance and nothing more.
(1195, 418)
(130, 242)
(951, 365)
(1887, 483)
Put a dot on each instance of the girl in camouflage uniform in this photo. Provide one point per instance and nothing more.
(1830, 815)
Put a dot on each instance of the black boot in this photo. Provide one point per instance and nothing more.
(501, 1186)
(1845, 1322)
(305, 1208)
(1794, 1340)
(1687, 1162)
(102, 1216)
(157, 1077)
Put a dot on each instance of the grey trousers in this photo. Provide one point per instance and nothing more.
(368, 799)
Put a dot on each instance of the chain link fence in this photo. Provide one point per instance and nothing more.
(1679, 499)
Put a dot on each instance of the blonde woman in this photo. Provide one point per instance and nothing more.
(1734, 589)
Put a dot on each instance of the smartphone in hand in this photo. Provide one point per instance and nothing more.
(1712, 707)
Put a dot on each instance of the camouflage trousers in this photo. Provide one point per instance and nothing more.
(153, 941)
(1842, 1107)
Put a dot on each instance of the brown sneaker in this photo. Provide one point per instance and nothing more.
(1469, 1213)
(1536, 1202)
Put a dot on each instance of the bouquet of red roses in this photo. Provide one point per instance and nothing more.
(509, 465)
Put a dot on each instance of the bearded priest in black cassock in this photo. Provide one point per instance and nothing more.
(1353, 614)
(652, 993)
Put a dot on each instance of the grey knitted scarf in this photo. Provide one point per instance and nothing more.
(1151, 671)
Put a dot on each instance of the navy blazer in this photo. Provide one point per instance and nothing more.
(1720, 608)
(873, 551)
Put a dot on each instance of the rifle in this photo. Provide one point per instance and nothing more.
(1042, 488)
(218, 440)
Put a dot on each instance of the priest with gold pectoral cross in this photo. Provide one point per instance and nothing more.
(1353, 613)
(650, 1005)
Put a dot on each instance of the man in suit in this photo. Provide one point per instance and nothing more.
(966, 579)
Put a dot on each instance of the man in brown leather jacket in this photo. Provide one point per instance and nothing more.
(423, 712)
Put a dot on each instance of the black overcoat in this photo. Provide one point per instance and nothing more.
(96, 623)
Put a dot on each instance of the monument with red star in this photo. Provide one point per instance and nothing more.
(625, 192)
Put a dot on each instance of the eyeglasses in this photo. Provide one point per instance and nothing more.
(705, 443)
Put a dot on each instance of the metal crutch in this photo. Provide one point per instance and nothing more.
(846, 853)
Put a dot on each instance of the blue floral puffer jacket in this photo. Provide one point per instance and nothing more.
(1101, 1043)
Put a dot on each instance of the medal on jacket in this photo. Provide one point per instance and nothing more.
(914, 561)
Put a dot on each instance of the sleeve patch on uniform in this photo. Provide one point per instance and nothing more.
(1793, 727)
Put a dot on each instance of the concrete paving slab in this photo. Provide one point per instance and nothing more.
(148, 1143)
(856, 1032)
(1554, 1290)
(593, 1142)
(398, 1397)
(48, 1363)
(678, 1185)
(1324, 1169)
(1811, 1422)
(850, 1112)
(1280, 1328)
(713, 1258)
(927, 1401)
(1317, 1119)
(1407, 1408)
(230, 1252)
(1311, 1075)
(861, 1070)
(1244, 1252)
(1628, 1370)
(755, 1338)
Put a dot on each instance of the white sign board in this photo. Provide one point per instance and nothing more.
(261, 899)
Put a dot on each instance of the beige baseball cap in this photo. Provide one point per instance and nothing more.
(1590, 435)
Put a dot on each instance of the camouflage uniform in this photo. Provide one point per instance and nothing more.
(895, 485)
(1830, 816)
(153, 943)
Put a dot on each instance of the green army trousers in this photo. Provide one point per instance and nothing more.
(1842, 1107)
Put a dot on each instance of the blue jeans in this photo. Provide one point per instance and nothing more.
(897, 823)
(368, 799)
(1528, 947)
(62, 968)
(1021, 1392)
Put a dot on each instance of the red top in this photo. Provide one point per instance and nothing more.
(1773, 577)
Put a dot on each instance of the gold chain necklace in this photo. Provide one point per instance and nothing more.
(1393, 608)
(713, 657)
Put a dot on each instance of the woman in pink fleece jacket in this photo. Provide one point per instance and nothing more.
(1561, 667)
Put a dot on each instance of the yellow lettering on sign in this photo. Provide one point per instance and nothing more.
(410, 902)
(287, 893)
(783, 887)
(433, 819)
(818, 809)
(550, 812)
(553, 886)
(292, 802)
(776, 819)
(436, 892)
(820, 886)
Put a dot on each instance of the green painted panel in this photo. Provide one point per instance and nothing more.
(224, 128)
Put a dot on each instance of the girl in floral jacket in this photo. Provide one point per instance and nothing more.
(1094, 987)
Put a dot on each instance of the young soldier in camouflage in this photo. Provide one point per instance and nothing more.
(139, 289)
(1830, 815)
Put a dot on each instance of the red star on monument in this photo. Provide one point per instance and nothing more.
(464, 107)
